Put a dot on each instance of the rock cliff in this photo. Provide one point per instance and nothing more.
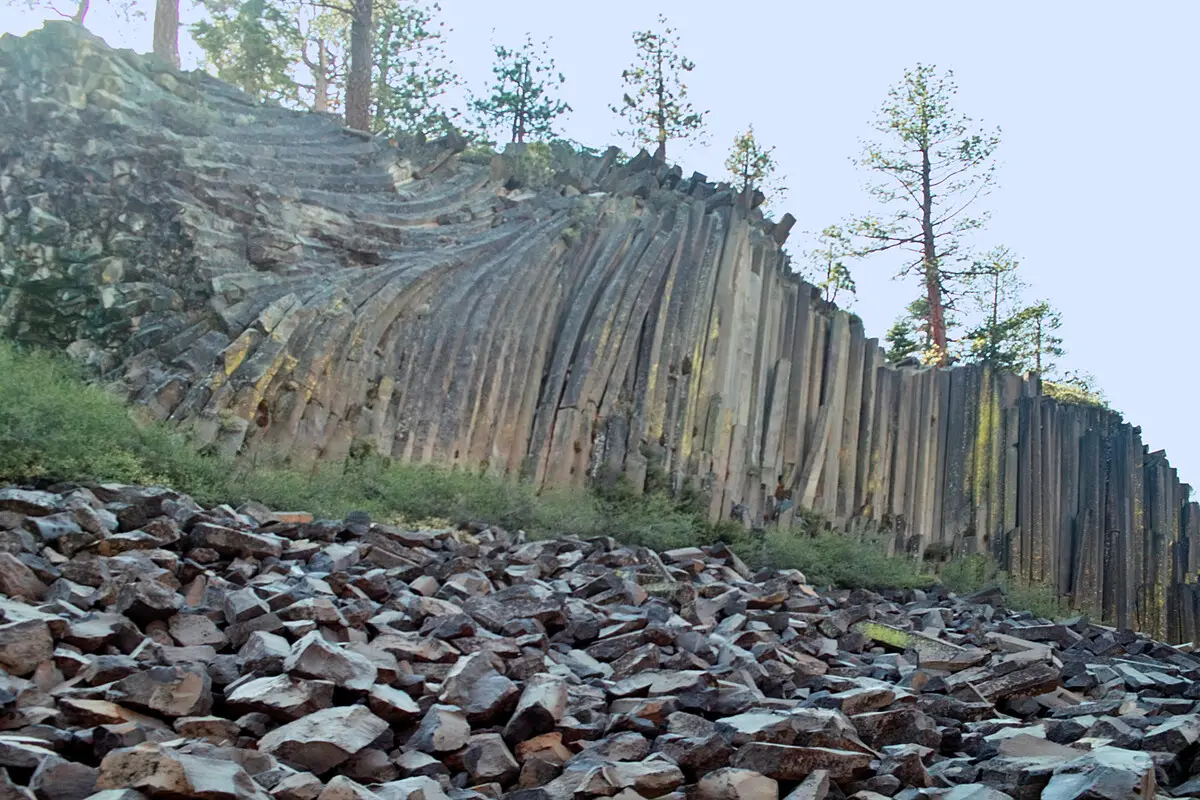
(280, 285)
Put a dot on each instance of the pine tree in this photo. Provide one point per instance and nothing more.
(523, 100)
(903, 340)
(1038, 325)
(301, 53)
(932, 167)
(322, 52)
(1009, 334)
(655, 105)
(250, 44)
(411, 73)
(994, 288)
(828, 259)
(751, 166)
(908, 338)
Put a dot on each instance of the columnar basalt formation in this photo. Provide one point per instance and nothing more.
(277, 284)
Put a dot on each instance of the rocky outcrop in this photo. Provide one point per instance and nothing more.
(280, 285)
(573, 670)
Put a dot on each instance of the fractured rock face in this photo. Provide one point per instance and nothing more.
(281, 696)
(728, 783)
(313, 657)
(162, 773)
(444, 729)
(24, 645)
(169, 691)
(322, 740)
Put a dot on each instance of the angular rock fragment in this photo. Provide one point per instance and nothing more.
(541, 706)
(443, 729)
(18, 580)
(787, 763)
(24, 645)
(729, 783)
(281, 696)
(478, 689)
(313, 657)
(324, 739)
(487, 759)
(169, 691)
(160, 772)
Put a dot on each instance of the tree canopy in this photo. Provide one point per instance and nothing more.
(928, 168)
(751, 166)
(522, 101)
(655, 107)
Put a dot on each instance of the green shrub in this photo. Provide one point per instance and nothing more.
(1074, 394)
(829, 558)
(972, 573)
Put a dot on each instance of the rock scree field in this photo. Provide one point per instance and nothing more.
(155, 648)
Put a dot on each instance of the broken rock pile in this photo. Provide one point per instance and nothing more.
(150, 647)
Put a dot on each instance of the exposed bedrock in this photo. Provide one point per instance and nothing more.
(279, 285)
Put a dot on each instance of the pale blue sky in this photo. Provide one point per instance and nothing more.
(1097, 102)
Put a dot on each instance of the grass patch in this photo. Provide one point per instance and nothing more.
(975, 572)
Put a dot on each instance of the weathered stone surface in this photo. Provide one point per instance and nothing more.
(393, 705)
(18, 580)
(281, 696)
(58, 779)
(216, 730)
(728, 783)
(442, 730)
(159, 772)
(478, 689)
(899, 726)
(232, 542)
(23, 645)
(787, 763)
(313, 657)
(1106, 772)
(542, 705)
(342, 788)
(1174, 735)
(193, 629)
(322, 740)
(488, 759)
(169, 691)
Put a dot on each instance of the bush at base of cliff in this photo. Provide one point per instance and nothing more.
(974, 572)
(831, 558)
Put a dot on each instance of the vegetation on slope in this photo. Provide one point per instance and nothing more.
(56, 427)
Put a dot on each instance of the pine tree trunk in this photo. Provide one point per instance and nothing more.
(166, 31)
(81, 11)
(929, 265)
(1038, 351)
(321, 79)
(661, 95)
(358, 81)
(994, 333)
